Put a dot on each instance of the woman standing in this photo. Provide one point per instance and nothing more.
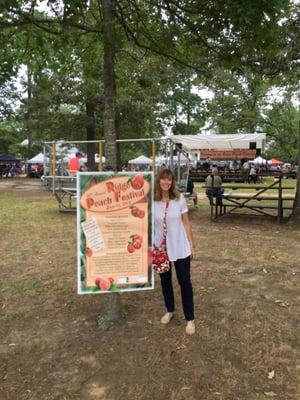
(180, 247)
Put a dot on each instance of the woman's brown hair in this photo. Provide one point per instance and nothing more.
(174, 193)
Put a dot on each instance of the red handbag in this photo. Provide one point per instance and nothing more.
(160, 259)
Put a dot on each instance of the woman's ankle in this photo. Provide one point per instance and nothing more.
(165, 319)
(190, 328)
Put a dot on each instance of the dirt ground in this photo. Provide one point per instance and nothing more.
(246, 288)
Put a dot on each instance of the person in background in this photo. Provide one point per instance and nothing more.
(206, 164)
(180, 247)
(39, 170)
(75, 163)
(83, 168)
(10, 171)
(192, 193)
(246, 165)
(252, 175)
(213, 184)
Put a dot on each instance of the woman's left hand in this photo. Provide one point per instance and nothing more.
(193, 254)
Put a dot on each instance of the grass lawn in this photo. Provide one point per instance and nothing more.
(246, 293)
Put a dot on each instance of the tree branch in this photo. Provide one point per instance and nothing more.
(45, 23)
(155, 47)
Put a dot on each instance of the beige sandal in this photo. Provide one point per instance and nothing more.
(190, 328)
(166, 318)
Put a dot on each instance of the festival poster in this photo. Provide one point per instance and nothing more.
(114, 231)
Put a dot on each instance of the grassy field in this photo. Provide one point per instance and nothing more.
(246, 291)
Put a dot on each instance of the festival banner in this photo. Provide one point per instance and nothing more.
(227, 154)
(114, 231)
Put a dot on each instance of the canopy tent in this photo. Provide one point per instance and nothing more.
(7, 158)
(273, 161)
(140, 160)
(38, 159)
(259, 161)
(219, 141)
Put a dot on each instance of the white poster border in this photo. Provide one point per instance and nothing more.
(78, 227)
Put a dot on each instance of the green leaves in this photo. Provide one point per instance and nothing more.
(165, 53)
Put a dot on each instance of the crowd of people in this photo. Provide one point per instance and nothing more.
(10, 170)
(231, 166)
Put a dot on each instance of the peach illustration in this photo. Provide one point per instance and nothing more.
(141, 214)
(130, 248)
(137, 182)
(105, 284)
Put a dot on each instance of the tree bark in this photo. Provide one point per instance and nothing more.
(221, 125)
(188, 119)
(112, 314)
(90, 134)
(295, 216)
(28, 119)
(110, 93)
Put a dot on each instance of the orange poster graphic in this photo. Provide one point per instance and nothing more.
(115, 232)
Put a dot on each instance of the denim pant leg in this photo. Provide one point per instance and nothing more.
(184, 279)
(167, 289)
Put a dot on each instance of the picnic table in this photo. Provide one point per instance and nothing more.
(64, 189)
(240, 176)
(262, 200)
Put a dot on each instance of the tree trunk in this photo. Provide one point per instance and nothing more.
(28, 119)
(222, 127)
(295, 216)
(188, 119)
(109, 116)
(90, 135)
(112, 315)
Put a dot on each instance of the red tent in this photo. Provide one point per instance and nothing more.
(274, 161)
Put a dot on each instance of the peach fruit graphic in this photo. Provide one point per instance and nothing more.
(137, 182)
(130, 248)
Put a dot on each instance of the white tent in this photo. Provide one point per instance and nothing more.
(38, 159)
(219, 142)
(140, 160)
(259, 161)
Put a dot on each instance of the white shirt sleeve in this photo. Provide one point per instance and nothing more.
(183, 206)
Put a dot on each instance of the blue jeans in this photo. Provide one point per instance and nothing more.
(182, 267)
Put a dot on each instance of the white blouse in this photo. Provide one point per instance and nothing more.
(178, 245)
